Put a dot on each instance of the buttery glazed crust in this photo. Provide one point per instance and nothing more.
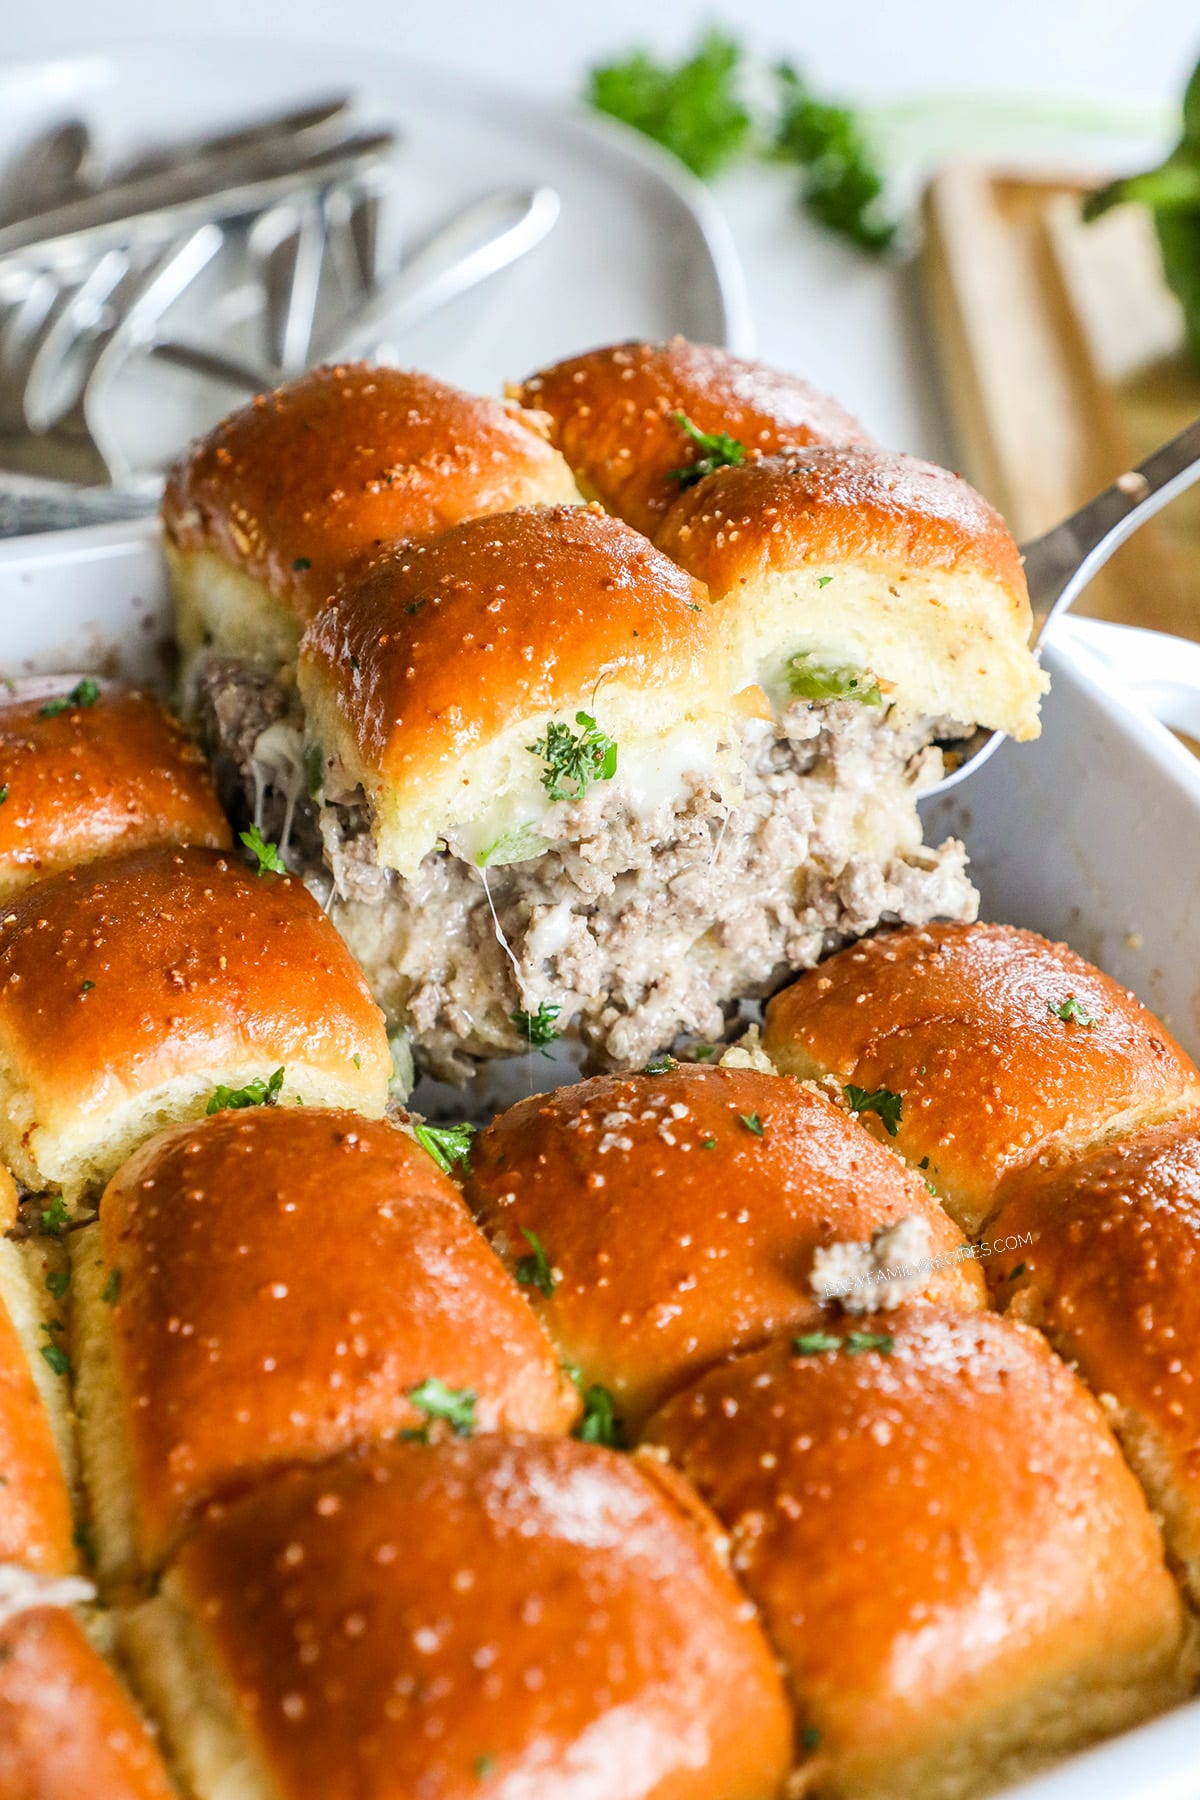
(67, 1727)
(160, 965)
(538, 1615)
(959, 1020)
(35, 1509)
(835, 503)
(302, 486)
(93, 780)
(931, 1535)
(444, 645)
(1109, 1268)
(284, 1279)
(677, 1234)
(611, 413)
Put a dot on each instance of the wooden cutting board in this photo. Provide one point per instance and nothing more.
(1061, 353)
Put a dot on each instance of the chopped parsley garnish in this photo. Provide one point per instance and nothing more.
(255, 1093)
(1073, 1011)
(752, 1122)
(537, 1028)
(85, 987)
(855, 1342)
(708, 1144)
(57, 1357)
(841, 185)
(823, 581)
(3, 792)
(815, 1343)
(484, 1766)
(84, 693)
(703, 1052)
(813, 680)
(414, 606)
(693, 108)
(456, 1406)
(314, 770)
(535, 1270)
(55, 1217)
(718, 451)
(447, 1144)
(881, 1101)
(111, 1290)
(661, 1065)
(267, 855)
(301, 563)
(578, 757)
(1016, 1274)
(58, 1281)
(810, 1738)
(600, 1424)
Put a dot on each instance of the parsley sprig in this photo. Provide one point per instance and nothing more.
(576, 757)
(455, 1406)
(537, 1028)
(881, 1101)
(255, 1093)
(535, 1270)
(717, 451)
(447, 1144)
(841, 183)
(54, 1218)
(1073, 1012)
(266, 855)
(693, 109)
(84, 693)
(600, 1423)
(707, 110)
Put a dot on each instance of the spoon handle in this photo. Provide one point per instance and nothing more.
(1059, 565)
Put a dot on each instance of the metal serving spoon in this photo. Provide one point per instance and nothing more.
(1059, 565)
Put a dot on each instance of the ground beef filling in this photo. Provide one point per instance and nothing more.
(642, 929)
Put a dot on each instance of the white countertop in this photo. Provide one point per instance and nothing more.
(852, 326)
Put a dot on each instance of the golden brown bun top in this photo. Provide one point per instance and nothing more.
(680, 1213)
(963, 1022)
(612, 416)
(510, 1611)
(443, 645)
(840, 503)
(1112, 1272)
(303, 485)
(924, 1530)
(67, 1727)
(92, 779)
(160, 962)
(284, 1278)
(35, 1509)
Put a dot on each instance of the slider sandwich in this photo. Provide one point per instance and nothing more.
(160, 985)
(663, 1222)
(88, 768)
(953, 1562)
(499, 1616)
(549, 778)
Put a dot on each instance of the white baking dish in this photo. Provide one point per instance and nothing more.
(1091, 834)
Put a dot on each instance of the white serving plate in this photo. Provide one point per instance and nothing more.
(640, 248)
(1091, 834)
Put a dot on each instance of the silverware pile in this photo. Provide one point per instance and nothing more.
(276, 230)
